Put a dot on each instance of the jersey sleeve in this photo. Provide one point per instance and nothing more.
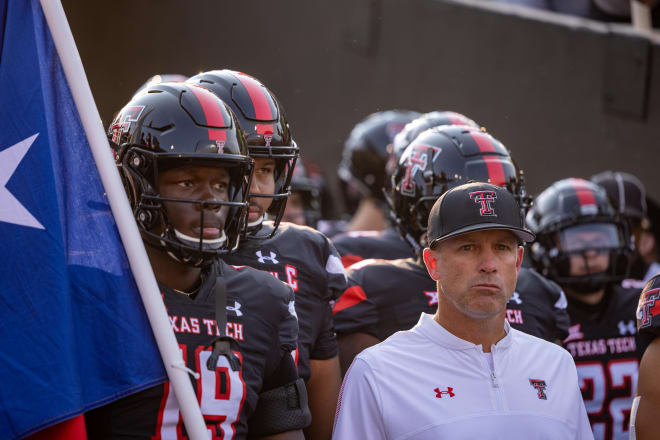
(289, 320)
(326, 342)
(335, 272)
(359, 409)
(562, 320)
(354, 311)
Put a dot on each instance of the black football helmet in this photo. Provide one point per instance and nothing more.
(439, 159)
(262, 119)
(362, 168)
(562, 211)
(167, 126)
(161, 78)
(309, 187)
(423, 123)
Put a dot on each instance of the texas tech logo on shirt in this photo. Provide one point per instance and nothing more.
(485, 198)
(649, 306)
(540, 387)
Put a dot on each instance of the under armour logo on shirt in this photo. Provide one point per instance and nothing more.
(236, 308)
(515, 298)
(448, 392)
(626, 328)
(272, 258)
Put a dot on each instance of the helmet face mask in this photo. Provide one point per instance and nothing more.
(174, 126)
(582, 243)
(262, 120)
(438, 160)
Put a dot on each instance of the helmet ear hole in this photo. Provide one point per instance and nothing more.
(146, 218)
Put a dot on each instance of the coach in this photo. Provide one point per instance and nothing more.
(464, 373)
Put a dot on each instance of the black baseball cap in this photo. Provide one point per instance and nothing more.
(474, 207)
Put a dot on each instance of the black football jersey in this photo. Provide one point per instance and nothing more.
(259, 310)
(307, 261)
(384, 297)
(362, 245)
(603, 342)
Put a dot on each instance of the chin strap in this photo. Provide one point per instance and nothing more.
(222, 345)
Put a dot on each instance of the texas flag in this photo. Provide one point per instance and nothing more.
(73, 331)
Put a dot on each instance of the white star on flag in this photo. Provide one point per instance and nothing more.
(11, 210)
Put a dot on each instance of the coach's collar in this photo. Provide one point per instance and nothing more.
(430, 328)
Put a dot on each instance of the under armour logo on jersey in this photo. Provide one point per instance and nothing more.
(515, 298)
(649, 306)
(272, 258)
(540, 387)
(485, 197)
(626, 328)
(448, 392)
(236, 308)
(574, 333)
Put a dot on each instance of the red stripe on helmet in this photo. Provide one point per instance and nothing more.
(584, 193)
(496, 174)
(495, 167)
(258, 95)
(213, 113)
(265, 128)
(457, 119)
(483, 142)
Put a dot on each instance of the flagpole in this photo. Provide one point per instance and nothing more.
(137, 255)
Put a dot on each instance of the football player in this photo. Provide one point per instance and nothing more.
(303, 207)
(387, 296)
(300, 256)
(584, 245)
(360, 245)
(362, 178)
(184, 165)
(646, 406)
(628, 195)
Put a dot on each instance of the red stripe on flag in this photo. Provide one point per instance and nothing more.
(483, 142)
(495, 171)
(262, 110)
(72, 429)
(585, 195)
(351, 296)
(212, 112)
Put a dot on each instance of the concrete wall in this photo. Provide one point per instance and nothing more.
(569, 97)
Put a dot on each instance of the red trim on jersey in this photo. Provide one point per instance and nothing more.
(258, 96)
(584, 194)
(212, 112)
(351, 296)
(349, 259)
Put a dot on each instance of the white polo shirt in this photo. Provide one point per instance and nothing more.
(425, 383)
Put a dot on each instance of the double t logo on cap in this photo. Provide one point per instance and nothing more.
(485, 197)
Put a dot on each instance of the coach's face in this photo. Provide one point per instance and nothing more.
(476, 272)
